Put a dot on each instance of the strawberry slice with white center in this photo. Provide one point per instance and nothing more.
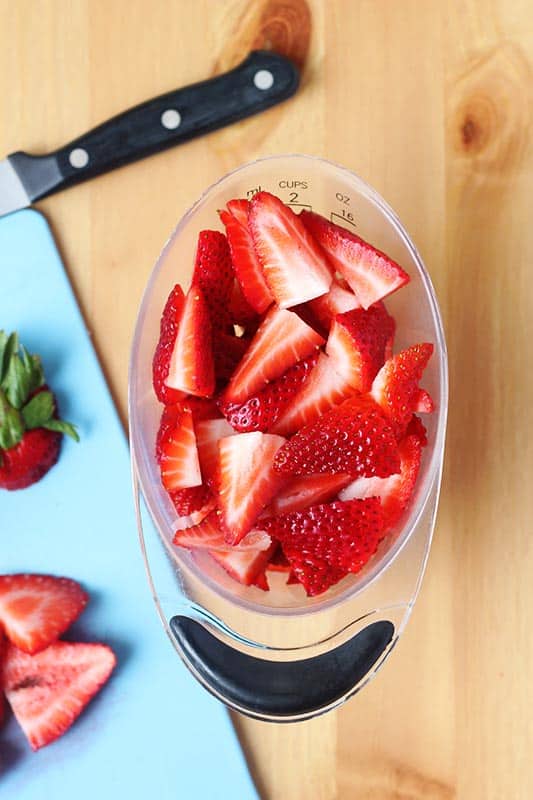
(356, 344)
(246, 479)
(208, 535)
(353, 437)
(169, 325)
(371, 274)
(281, 340)
(324, 388)
(245, 261)
(338, 300)
(295, 267)
(305, 491)
(208, 432)
(36, 609)
(395, 387)
(49, 690)
(178, 454)
(191, 368)
(245, 566)
(396, 490)
(261, 410)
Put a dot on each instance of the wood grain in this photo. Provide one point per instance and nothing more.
(430, 102)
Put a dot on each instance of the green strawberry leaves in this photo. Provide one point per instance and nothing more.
(21, 406)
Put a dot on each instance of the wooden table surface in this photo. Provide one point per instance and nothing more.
(431, 103)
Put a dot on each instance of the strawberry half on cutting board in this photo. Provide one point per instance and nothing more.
(30, 429)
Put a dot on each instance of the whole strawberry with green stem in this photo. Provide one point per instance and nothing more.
(30, 429)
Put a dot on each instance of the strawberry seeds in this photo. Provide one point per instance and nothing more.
(289, 439)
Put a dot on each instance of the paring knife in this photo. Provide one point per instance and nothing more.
(262, 80)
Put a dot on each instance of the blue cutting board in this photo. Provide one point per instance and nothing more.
(152, 732)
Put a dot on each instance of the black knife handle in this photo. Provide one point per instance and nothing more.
(259, 82)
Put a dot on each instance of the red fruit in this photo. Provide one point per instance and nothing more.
(371, 274)
(244, 566)
(191, 368)
(396, 490)
(278, 561)
(416, 428)
(281, 340)
(48, 691)
(396, 388)
(260, 412)
(36, 609)
(240, 311)
(424, 402)
(245, 262)
(191, 500)
(326, 541)
(246, 479)
(353, 437)
(213, 273)
(177, 454)
(262, 582)
(337, 301)
(323, 388)
(228, 351)
(208, 432)
(168, 331)
(356, 344)
(203, 408)
(305, 491)
(29, 460)
(208, 535)
(294, 266)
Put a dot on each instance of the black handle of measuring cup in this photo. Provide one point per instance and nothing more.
(280, 691)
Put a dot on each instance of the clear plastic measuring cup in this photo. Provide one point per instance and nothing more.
(280, 655)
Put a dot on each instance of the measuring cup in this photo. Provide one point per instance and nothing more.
(280, 655)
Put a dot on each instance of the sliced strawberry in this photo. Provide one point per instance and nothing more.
(245, 262)
(323, 388)
(213, 273)
(247, 481)
(371, 274)
(337, 301)
(195, 517)
(208, 535)
(49, 690)
(260, 412)
(30, 459)
(194, 498)
(305, 491)
(261, 582)
(353, 437)
(228, 351)
(396, 490)
(191, 367)
(36, 609)
(203, 408)
(281, 340)
(178, 454)
(424, 403)
(244, 566)
(396, 388)
(208, 432)
(170, 320)
(333, 536)
(240, 311)
(356, 344)
(416, 428)
(294, 266)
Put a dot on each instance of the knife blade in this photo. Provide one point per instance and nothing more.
(262, 80)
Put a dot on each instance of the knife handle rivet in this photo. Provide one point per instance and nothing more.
(263, 79)
(170, 119)
(78, 157)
